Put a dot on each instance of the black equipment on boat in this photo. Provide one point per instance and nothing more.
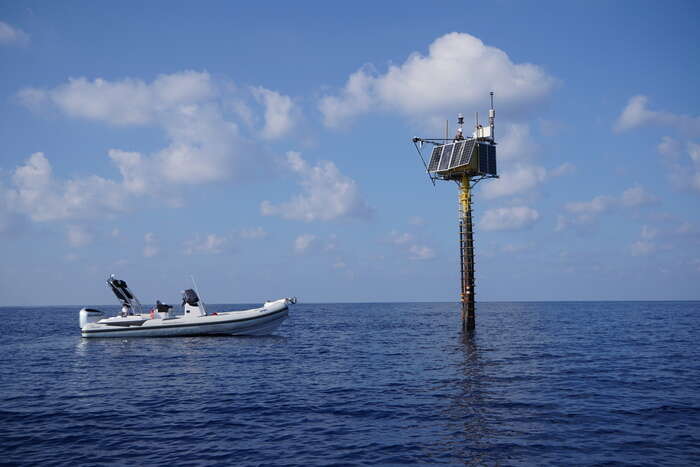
(123, 294)
(120, 289)
(162, 307)
(190, 297)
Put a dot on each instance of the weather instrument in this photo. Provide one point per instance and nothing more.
(466, 161)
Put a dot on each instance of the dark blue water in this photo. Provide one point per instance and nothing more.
(537, 384)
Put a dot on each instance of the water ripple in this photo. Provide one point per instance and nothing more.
(355, 384)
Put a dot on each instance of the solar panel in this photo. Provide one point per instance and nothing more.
(492, 160)
(446, 156)
(456, 154)
(483, 157)
(466, 154)
(435, 159)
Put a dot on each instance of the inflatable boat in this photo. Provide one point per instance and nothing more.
(161, 321)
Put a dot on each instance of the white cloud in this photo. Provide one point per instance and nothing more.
(458, 72)
(408, 243)
(12, 35)
(421, 252)
(637, 114)
(209, 244)
(151, 247)
(518, 149)
(326, 194)
(516, 143)
(35, 192)
(280, 112)
(128, 101)
(511, 218)
(518, 179)
(304, 243)
(203, 146)
(636, 196)
(78, 236)
(585, 212)
(595, 206)
(683, 166)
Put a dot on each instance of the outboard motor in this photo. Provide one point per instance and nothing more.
(89, 315)
(190, 302)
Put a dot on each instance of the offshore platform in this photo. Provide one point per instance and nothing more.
(466, 161)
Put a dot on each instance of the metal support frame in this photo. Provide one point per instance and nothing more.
(466, 254)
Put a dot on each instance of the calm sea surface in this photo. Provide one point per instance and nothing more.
(609, 383)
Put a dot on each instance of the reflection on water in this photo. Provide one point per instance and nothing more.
(465, 412)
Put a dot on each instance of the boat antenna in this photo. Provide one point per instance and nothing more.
(194, 283)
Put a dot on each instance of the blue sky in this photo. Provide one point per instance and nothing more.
(265, 149)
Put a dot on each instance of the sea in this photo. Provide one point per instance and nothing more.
(552, 383)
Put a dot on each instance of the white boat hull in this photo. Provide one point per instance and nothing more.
(258, 321)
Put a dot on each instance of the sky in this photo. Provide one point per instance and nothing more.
(265, 149)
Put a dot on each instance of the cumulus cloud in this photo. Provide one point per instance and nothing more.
(584, 212)
(637, 114)
(204, 145)
(636, 196)
(151, 246)
(511, 218)
(458, 72)
(407, 242)
(326, 194)
(682, 162)
(128, 101)
(519, 179)
(208, 244)
(518, 150)
(12, 35)
(35, 192)
(280, 112)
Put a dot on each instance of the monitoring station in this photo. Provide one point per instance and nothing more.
(466, 161)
